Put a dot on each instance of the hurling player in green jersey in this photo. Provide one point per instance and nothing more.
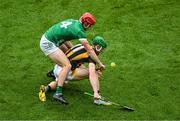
(61, 32)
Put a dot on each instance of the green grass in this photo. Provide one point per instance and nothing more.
(144, 42)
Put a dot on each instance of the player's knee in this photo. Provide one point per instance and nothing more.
(67, 66)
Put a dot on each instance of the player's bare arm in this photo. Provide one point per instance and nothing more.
(68, 44)
(63, 48)
(91, 52)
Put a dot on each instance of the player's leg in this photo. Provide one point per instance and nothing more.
(77, 77)
(59, 57)
(80, 73)
(83, 73)
(52, 86)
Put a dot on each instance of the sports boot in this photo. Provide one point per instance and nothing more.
(42, 95)
(101, 102)
(51, 74)
(60, 98)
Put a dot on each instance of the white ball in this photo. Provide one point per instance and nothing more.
(113, 64)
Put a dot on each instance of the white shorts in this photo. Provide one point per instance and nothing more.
(57, 70)
(47, 46)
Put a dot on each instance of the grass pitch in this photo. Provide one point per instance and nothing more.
(143, 38)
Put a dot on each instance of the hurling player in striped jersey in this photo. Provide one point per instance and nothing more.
(77, 56)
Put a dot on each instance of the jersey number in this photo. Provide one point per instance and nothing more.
(65, 24)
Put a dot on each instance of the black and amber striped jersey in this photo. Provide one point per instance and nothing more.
(78, 55)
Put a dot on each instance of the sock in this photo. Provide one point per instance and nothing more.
(59, 90)
(98, 92)
(47, 89)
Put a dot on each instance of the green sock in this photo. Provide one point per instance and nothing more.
(59, 90)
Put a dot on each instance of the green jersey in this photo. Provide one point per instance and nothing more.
(64, 31)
